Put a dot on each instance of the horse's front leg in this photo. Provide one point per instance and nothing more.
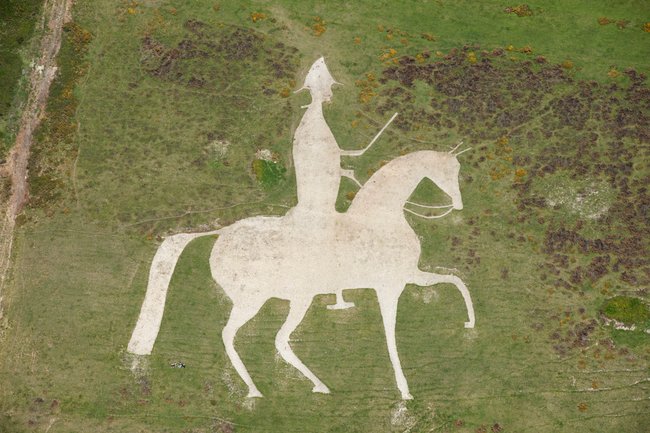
(388, 306)
(429, 279)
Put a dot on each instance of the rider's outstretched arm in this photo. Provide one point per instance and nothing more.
(362, 151)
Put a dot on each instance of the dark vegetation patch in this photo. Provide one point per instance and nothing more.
(54, 150)
(484, 100)
(212, 58)
(577, 335)
(5, 188)
(17, 21)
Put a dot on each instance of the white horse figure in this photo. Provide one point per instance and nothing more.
(370, 246)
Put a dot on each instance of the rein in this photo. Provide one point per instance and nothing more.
(432, 207)
(429, 207)
(436, 207)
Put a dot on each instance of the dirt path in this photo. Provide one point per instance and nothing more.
(55, 14)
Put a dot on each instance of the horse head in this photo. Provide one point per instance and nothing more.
(319, 81)
(388, 189)
(444, 174)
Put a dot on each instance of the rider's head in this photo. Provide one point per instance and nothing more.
(319, 81)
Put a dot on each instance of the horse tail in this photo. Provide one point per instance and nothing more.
(162, 268)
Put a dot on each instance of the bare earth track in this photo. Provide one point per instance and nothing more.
(55, 14)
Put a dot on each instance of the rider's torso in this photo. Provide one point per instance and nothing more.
(316, 157)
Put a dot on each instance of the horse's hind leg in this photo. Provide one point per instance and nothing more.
(239, 315)
(429, 279)
(388, 306)
(297, 310)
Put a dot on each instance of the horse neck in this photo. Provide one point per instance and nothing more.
(391, 186)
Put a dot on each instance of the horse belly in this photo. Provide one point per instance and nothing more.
(367, 257)
(267, 260)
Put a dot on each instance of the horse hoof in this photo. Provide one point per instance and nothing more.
(469, 324)
(341, 306)
(321, 388)
(407, 396)
(254, 393)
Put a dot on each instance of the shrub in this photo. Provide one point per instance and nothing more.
(522, 10)
(319, 26)
(257, 16)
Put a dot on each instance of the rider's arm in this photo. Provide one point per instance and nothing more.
(353, 152)
(362, 151)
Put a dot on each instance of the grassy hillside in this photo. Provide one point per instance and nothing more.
(156, 124)
(18, 18)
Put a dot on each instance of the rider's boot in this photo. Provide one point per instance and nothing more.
(341, 304)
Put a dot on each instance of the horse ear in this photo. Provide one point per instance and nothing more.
(463, 151)
(457, 146)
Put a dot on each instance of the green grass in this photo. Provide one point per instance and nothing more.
(268, 173)
(631, 311)
(151, 154)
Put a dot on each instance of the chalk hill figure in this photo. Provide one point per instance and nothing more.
(313, 249)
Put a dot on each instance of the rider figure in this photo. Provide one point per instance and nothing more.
(317, 157)
(316, 154)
